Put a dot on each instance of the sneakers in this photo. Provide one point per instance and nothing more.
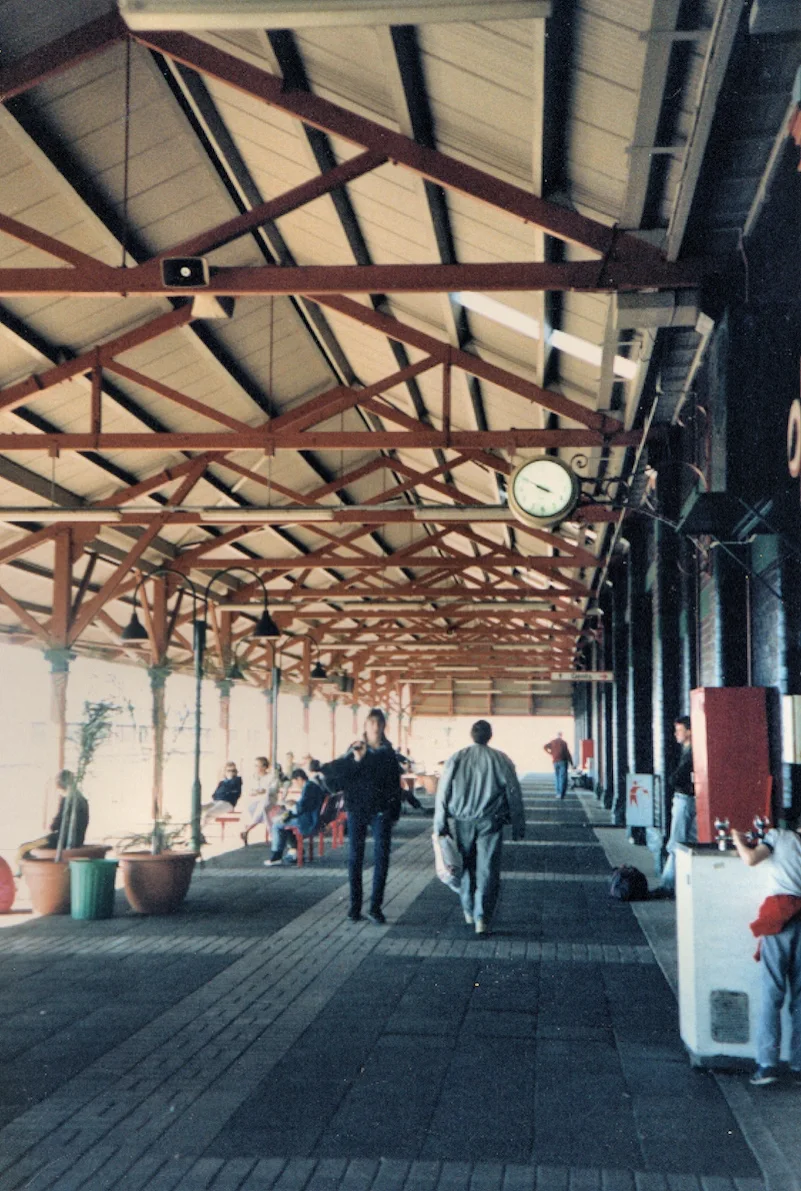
(354, 916)
(273, 860)
(376, 917)
(764, 1076)
(481, 927)
(291, 855)
(468, 918)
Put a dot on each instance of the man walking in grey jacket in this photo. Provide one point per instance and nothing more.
(479, 792)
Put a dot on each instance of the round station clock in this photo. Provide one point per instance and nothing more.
(543, 491)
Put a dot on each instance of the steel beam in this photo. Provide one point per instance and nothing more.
(83, 280)
(355, 440)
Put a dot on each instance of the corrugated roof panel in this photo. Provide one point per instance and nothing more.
(345, 65)
(489, 50)
(25, 25)
(629, 14)
(81, 323)
(603, 103)
(616, 51)
(283, 361)
(484, 233)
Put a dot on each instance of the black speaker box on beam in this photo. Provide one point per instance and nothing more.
(184, 272)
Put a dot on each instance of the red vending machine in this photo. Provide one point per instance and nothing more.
(731, 762)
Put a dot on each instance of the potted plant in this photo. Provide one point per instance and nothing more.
(157, 867)
(46, 871)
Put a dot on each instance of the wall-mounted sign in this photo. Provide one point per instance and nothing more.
(639, 800)
(582, 676)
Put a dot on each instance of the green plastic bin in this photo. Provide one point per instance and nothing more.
(92, 888)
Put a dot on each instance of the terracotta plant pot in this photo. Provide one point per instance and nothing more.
(156, 884)
(85, 852)
(8, 888)
(49, 885)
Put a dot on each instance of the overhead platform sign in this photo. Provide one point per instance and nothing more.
(582, 676)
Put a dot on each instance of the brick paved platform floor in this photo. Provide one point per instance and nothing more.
(257, 1041)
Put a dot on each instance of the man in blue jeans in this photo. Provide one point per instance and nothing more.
(683, 828)
(369, 776)
(304, 816)
(560, 755)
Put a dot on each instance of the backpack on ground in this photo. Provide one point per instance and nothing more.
(628, 884)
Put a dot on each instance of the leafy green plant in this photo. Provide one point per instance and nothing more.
(161, 838)
(94, 729)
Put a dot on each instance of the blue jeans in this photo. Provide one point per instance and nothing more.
(682, 831)
(560, 775)
(780, 957)
(281, 837)
(479, 842)
(381, 826)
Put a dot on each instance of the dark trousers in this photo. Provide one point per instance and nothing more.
(381, 826)
(479, 842)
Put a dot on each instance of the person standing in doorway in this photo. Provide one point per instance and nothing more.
(682, 820)
(479, 792)
(369, 776)
(560, 755)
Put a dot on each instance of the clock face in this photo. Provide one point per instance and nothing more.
(543, 491)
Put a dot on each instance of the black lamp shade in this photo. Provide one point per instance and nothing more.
(134, 630)
(266, 626)
(319, 671)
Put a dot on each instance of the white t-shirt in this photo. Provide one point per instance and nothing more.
(785, 861)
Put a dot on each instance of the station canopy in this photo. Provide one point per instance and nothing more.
(290, 290)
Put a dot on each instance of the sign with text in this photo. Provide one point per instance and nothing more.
(639, 800)
(582, 676)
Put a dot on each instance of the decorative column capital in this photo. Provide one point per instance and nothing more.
(306, 701)
(59, 659)
(224, 686)
(158, 675)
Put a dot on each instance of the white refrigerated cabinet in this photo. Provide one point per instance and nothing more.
(717, 896)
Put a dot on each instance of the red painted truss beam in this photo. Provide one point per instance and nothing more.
(392, 328)
(428, 163)
(18, 394)
(96, 279)
(262, 439)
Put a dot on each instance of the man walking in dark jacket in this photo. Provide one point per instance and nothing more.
(369, 776)
(479, 792)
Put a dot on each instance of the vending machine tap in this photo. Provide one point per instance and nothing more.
(722, 836)
(761, 827)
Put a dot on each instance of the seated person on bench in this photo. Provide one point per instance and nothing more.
(304, 817)
(266, 784)
(226, 796)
